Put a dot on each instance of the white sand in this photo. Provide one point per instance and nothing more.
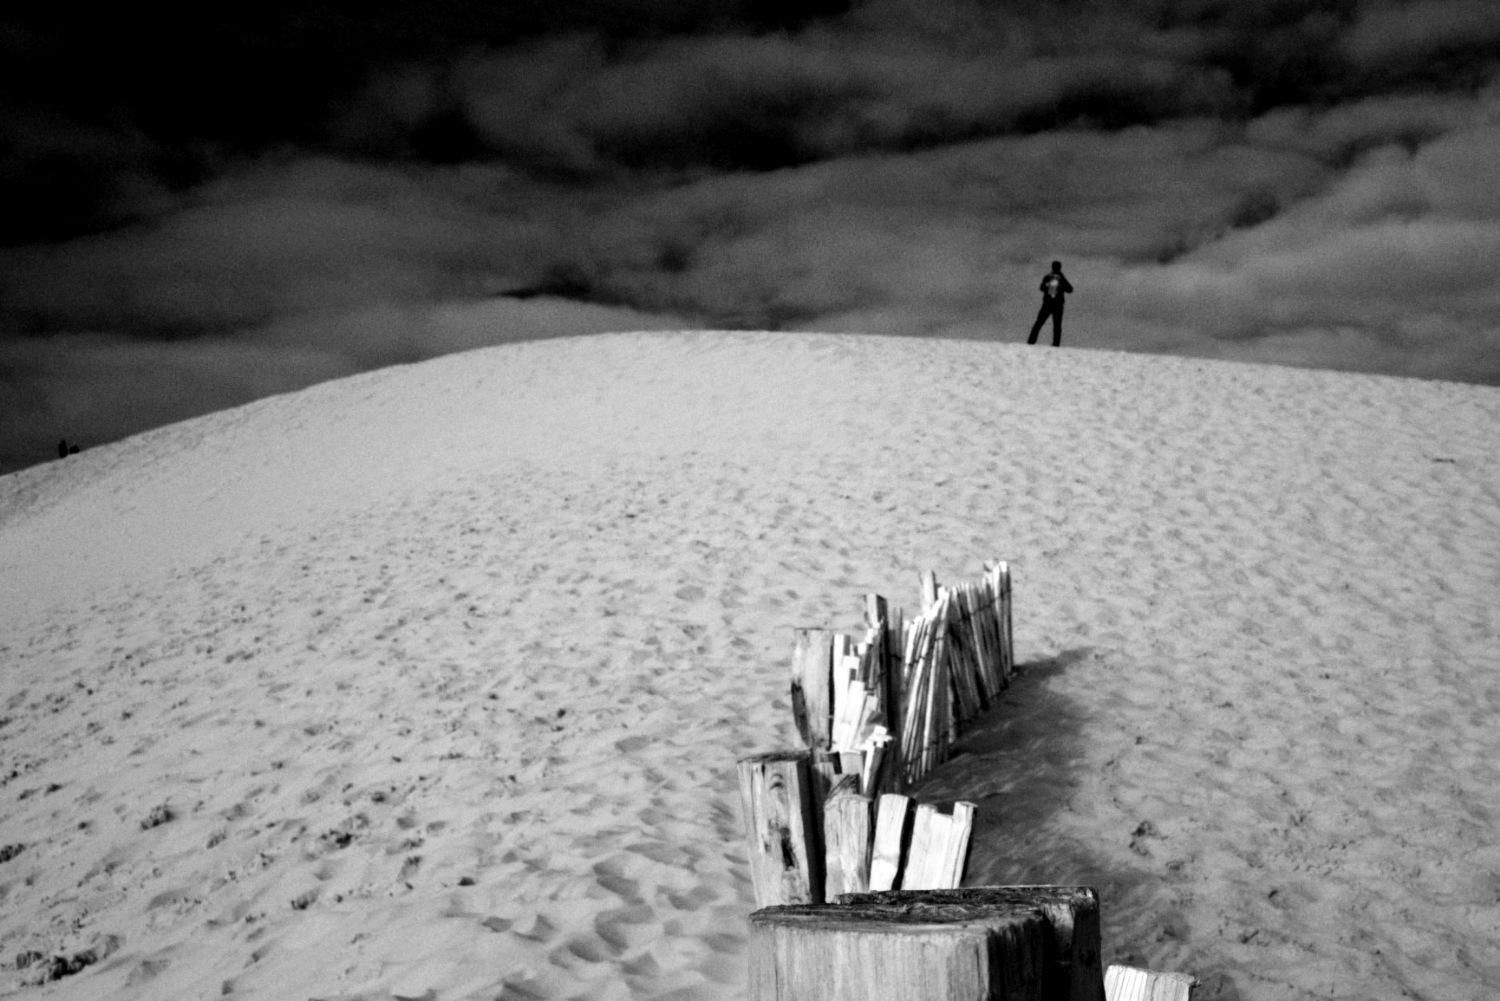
(459, 657)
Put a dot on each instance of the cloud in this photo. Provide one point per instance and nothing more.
(280, 238)
(1389, 268)
(95, 388)
(284, 274)
(952, 232)
(1342, 133)
(1309, 183)
(63, 177)
(887, 76)
(1403, 33)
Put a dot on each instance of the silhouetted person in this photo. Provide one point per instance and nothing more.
(62, 448)
(1054, 288)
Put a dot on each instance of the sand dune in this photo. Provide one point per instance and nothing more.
(429, 683)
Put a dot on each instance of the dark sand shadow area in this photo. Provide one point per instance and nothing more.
(1024, 764)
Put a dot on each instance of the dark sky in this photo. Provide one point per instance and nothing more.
(203, 211)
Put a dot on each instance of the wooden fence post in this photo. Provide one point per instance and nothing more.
(983, 944)
(812, 686)
(783, 827)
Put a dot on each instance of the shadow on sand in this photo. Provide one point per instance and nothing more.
(1022, 763)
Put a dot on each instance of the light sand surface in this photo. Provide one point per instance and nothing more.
(441, 671)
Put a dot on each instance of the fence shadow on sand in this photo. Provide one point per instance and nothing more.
(1019, 764)
(1022, 764)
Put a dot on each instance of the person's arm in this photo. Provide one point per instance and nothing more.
(1067, 286)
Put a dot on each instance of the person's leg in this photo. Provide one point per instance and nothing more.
(1041, 318)
(1057, 325)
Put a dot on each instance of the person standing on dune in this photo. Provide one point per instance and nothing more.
(1054, 288)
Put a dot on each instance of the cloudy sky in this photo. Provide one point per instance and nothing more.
(200, 212)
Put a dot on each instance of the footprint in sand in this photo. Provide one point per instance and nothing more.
(540, 930)
(627, 929)
(692, 900)
(611, 876)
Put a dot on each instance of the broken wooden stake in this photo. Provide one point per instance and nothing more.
(812, 686)
(939, 848)
(892, 832)
(846, 837)
(783, 828)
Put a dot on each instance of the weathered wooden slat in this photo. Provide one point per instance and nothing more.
(937, 711)
(892, 834)
(956, 850)
(846, 837)
(1073, 971)
(782, 827)
(874, 767)
(962, 627)
(1126, 983)
(927, 712)
(928, 835)
(929, 590)
(876, 618)
(847, 700)
(950, 649)
(869, 656)
(1002, 587)
(939, 848)
(917, 674)
(864, 719)
(842, 689)
(926, 838)
(995, 632)
(824, 768)
(890, 778)
(812, 686)
(979, 616)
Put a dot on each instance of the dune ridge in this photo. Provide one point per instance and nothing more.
(438, 674)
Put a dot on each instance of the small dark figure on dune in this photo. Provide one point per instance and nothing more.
(62, 448)
(1055, 287)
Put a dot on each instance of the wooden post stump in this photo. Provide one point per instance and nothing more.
(1126, 983)
(975, 950)
(1073, 965)
(783, 828)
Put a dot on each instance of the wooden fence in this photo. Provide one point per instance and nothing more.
(832, 821)
(877, 714)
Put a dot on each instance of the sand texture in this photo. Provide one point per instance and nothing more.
(429, 683)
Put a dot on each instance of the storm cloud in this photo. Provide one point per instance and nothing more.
(1299, 183)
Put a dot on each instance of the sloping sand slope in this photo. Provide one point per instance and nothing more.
(440, 672)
